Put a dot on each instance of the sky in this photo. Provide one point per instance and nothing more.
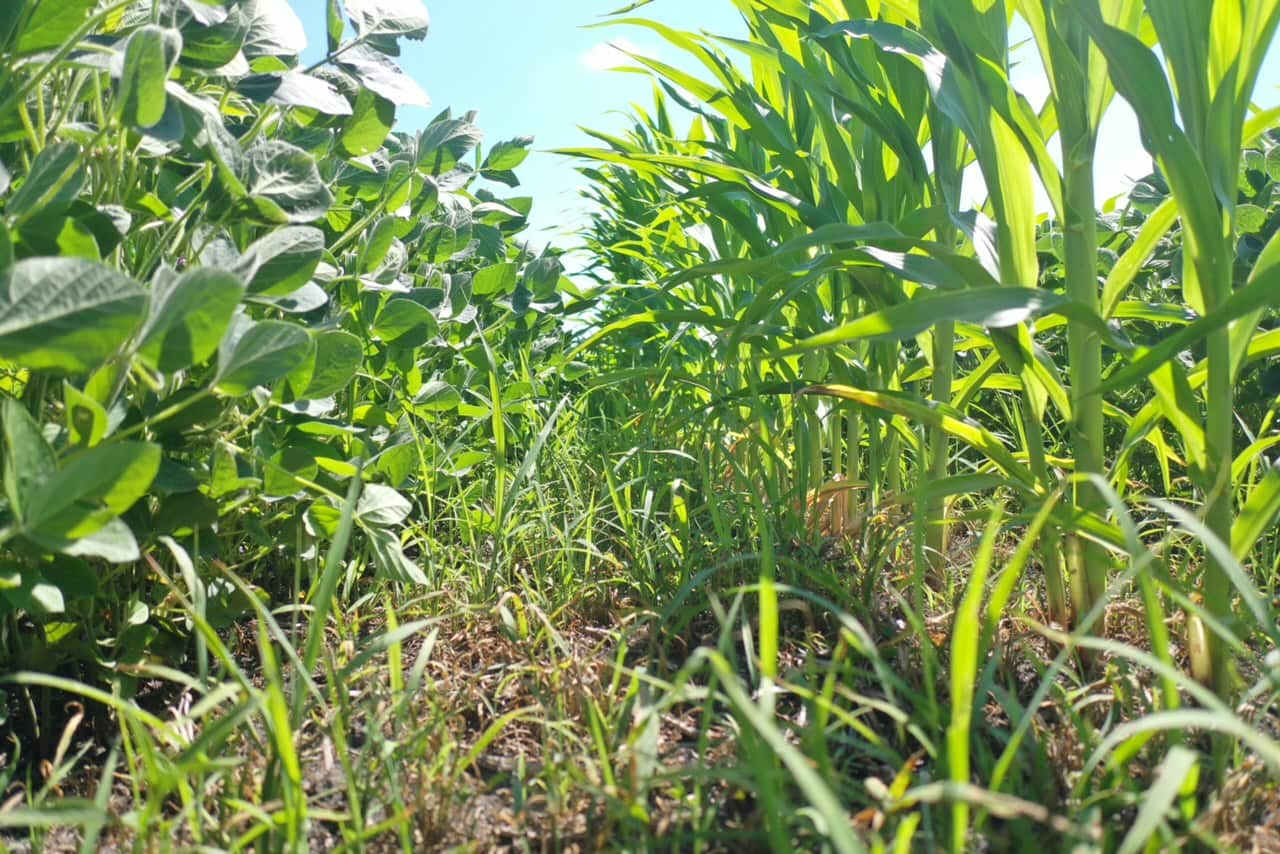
(534, 67)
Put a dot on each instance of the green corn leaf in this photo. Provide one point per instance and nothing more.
(1257, 518)
(933, 415)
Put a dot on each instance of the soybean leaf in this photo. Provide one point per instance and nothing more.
(389, 17)
(86, 418)
(305, 299)
(206, 12)
(189, 315)
(334, 25)
(215, 45)
(444, 143)
(402, 316)
(369, 124)
(66, 314)
(10, 15)
(28, 460)
(337, 357)
(497, 279)
(113, 542)
(284, 183)
(437, 396)
(94, 487)
(280, 477)
(504, 158)
(378, 243)
(295, 89)
(26, 588)
(274, 30)
(52, 23)
(382, 507)
(375, 71)
(391, 560)
(259, 354)
(53, 183)
(283, 261)
(149, 55)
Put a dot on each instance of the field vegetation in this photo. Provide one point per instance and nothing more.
(822, 508)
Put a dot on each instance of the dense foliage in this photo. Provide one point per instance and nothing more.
(228, 286)
(822, 510)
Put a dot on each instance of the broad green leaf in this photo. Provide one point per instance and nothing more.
(1257, 517)
(334, 25)
(10, 15)
(189, 315)
(304, 300)
(260, 354)
(280, 472)
(371, 121)
(378, 242)
(214, 46)
(437, 396)
(66, 314)
(224, 473)
(52, 22)
(274, 29)
(93, 487)
(294, 89)
(497, 279)
(504, 158)
(27, 589)
(283, 261)
(286, 178)
(400, 317)
(338, 356)
(389, 17)
(382, 507)
(507, 155)
(86, 419)
(113, 542)
(444, 143)
(28, 459)
(390, 559)
(1250, 219)
(52, 184)
(149, 55)
(376, 71)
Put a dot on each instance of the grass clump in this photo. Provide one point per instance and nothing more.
(824, 510)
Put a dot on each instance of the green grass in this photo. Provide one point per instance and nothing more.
(816, 514)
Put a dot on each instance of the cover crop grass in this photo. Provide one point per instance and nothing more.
(841, 516)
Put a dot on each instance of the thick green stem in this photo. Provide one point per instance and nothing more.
(944, 337)
(1219, 402)
(1088, 566)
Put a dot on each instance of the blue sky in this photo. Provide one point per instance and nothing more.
(531, 67)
